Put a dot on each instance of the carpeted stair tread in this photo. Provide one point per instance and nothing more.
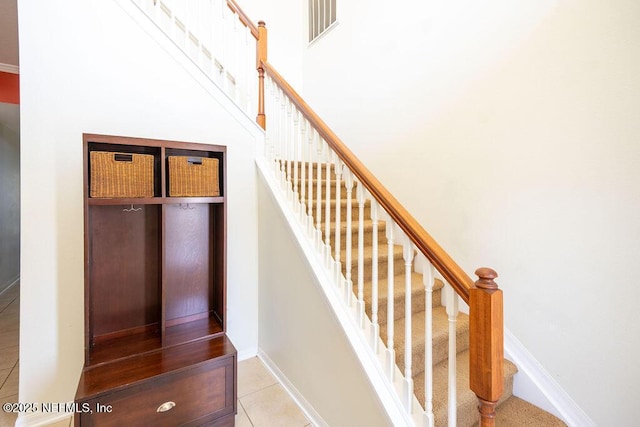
(323, 188)
(398, 263)
(355, 208)
(367, 230)
(440, 337)
(314, 168)
(417, 296)
(515, 412)
(467, 412)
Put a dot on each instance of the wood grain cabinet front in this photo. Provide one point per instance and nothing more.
(200, 395)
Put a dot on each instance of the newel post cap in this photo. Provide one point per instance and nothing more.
(485, 278)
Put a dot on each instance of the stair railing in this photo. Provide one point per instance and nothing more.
(217, 36)
(312, 163)
(300, 146)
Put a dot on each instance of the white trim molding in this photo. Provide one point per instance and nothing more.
(8, 68)
(308, 410)
(38, 419)
(534, 384)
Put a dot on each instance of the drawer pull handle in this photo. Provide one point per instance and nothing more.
(166, 406)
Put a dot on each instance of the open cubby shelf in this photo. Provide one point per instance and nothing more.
(149, 340)
(155, 267)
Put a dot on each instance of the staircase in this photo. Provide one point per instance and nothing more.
(382, 262)
(511, 410)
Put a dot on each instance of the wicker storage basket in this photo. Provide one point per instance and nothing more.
(193, 177)
(121, 175)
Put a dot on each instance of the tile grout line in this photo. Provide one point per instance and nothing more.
(258, 390)
(7, 306)
(7, 379)
(245, 413)
(1, 316)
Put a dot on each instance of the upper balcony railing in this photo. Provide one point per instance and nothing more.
(218, 37)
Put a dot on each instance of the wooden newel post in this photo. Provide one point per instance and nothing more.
(261, 57)
(486, 344)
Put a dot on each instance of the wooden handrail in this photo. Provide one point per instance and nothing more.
(486, 324)
(456, 277)
(243, 18)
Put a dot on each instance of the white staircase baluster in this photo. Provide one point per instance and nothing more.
(248, 75)
(164, 18)
(319, 145)
(189, 27)
(277, 124)
(360, 304)
(303, 170)
(283, 139)
(452, 314)
(223, 46)
(280, 134)
(216, 40)
(327, 211)
(310, 132)
(295, 152)
(288, 148)
(348, 289)
(408, 347)
(391, 353)
(375, 326)
(428, 278)
(190, 30)
(180, 29)
(272, 128)
(207, 37)
(337, 263)
(236, 57)
(228, 53)
(268, 133)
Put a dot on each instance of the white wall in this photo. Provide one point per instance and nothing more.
(283, 18)
(87, 67)
(517, 127)
(300, 333)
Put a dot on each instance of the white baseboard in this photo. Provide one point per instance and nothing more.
(534, 384)
(297, 397)
(40, 419)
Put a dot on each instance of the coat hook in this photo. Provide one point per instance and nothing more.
(131, 209)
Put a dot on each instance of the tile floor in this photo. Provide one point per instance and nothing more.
(262, 402)
(9, 327)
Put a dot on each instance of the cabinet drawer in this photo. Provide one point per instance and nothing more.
(200, 394)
